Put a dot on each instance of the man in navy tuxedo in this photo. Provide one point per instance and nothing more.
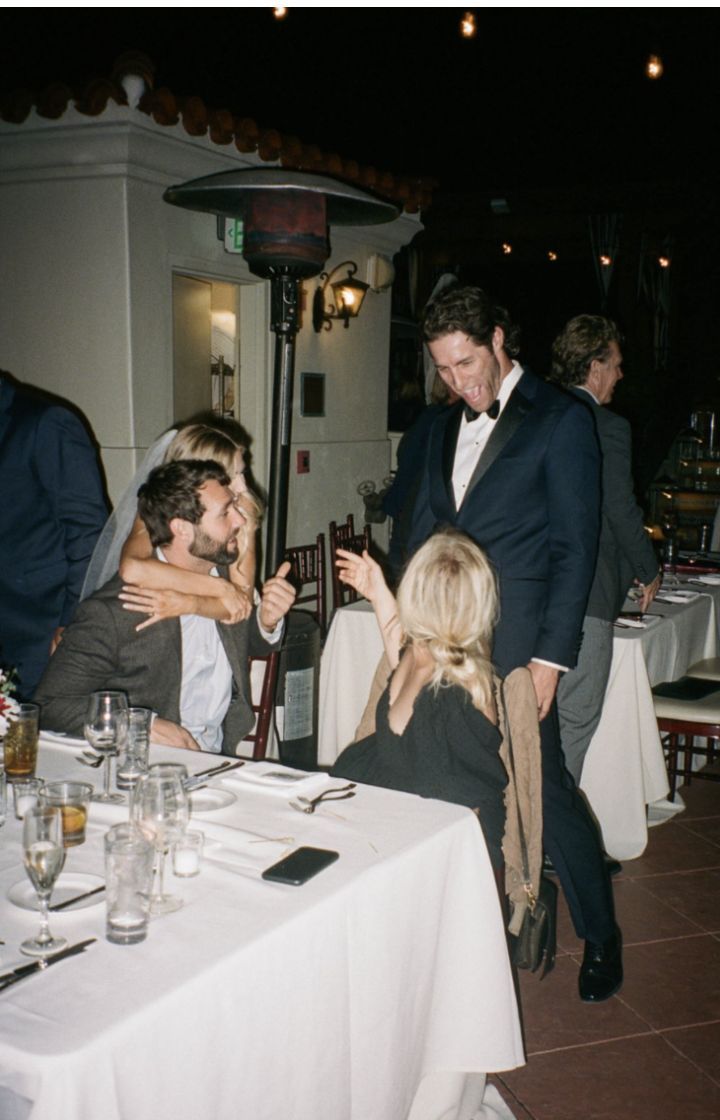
(515, 464)
(53, 509)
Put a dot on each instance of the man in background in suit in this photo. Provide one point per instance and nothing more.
(53, 509)
(515, 465)
(587, 361)
(190, 670)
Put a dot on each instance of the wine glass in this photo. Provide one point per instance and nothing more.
(43, 856)
(106, 725)
(160, 808)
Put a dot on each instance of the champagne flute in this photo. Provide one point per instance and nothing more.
(43, 856)
(106, 725)
(160, 808)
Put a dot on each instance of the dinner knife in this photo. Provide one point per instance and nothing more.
(23, 970)
(213, 772)
(76, 898)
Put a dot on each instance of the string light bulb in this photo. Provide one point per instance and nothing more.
(664, 262)
(605, 260)
(506, 248)
(654, 67)
(279, 12)
(552, 255)
(467, 25)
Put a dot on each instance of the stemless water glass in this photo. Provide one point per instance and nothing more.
(43, 856)
(106, 725)
(160, 808)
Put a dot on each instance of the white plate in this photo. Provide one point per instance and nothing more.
(205, 800)
(69, 884)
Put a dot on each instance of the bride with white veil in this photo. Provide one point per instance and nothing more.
(161, 590)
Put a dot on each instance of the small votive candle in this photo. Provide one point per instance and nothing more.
(26, 795)
(187, 854)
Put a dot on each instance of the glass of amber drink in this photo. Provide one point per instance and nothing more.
(21, 742)
(72, 799)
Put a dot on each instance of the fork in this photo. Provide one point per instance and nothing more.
(88, 759)
(337, 793)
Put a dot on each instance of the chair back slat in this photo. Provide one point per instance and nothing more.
(308, 575)
(344, 536)
(260, 735)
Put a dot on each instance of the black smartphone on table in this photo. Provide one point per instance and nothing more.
(300, 866)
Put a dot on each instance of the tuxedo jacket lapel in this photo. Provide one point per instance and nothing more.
(509, 421)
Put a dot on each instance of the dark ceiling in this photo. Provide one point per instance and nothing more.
(539, 97)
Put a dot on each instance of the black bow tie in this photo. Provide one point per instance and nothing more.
(492, 412)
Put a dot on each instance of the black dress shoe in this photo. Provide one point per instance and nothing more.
(601, 973)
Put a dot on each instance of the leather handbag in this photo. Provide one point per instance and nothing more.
(536, 943)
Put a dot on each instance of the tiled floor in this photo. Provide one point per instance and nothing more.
(653, 1051)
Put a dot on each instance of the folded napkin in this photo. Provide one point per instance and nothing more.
(240, 850)
(630, 623)
(272, 777)
(676, 596)
(712, 581)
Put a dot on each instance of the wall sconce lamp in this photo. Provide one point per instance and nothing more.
(348, 294)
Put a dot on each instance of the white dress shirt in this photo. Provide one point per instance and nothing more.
(206, 683)
(474, 434)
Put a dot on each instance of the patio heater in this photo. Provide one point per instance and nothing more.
(286, 215)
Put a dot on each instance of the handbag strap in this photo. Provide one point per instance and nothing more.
(527, 884)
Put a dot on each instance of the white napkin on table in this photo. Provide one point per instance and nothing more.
(238, 849)
(283, 781)
(712, 581)
(676, 596)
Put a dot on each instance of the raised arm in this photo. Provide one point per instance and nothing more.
(365, 576)
(165, 591)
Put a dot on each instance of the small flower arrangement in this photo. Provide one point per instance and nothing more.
(8, 703)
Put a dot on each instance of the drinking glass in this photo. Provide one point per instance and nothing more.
(160, 808)
(43, 856)
(72, 799)
(106, 724)
(21, 742)
(134, 761)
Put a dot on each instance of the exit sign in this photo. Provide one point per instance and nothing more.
(233, 235)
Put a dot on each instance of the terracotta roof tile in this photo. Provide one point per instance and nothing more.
(198, 120)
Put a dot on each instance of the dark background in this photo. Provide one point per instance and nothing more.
(548, 109)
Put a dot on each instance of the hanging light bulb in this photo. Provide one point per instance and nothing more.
(506, 248)
(279, 12)
(552, 255)
(664, 262)
(605, 260)
(467, 25)
(654, 67)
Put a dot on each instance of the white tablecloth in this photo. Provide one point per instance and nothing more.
(624, 770)
(336, 1001)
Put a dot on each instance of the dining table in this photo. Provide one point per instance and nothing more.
(380, 989)
(624, 776)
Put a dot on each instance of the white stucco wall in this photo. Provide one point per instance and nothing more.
(88, 250)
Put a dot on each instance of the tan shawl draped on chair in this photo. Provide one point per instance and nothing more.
(523, 793)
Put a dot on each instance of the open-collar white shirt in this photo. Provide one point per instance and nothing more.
(206, 683)
(474, 434)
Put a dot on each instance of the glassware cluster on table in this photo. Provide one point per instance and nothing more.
(54, 816)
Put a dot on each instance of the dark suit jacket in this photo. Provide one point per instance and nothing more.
(52, 512)
(625, 552)
(102, 649)
(533, 505)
